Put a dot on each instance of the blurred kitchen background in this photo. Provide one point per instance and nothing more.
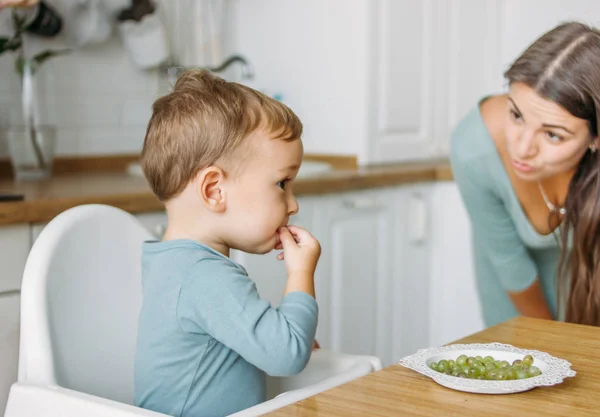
(378, 84)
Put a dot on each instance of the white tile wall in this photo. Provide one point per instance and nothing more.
(97, 98)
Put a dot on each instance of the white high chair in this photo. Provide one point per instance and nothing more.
(80, 299)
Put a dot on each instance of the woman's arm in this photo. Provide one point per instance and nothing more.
(531, 302)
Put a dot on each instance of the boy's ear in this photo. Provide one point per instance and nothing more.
(209, 184)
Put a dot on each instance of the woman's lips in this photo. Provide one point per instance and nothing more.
(523, 167)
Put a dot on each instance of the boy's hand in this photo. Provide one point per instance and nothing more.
(17, 3)
(301, 250)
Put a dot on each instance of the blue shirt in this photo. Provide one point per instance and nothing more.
(206, 338)
(509, 253)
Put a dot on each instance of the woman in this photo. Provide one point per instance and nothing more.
(528, 170)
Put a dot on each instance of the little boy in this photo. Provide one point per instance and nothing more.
(223, 158)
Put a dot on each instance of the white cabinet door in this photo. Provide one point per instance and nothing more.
(15, 242)
(411, 270)
(9, 343)
(455, 308)
(357, 236)
(404, 80)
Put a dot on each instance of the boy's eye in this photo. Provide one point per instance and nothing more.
(281, 184)
(554, 137)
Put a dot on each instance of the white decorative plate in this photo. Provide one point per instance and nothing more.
(554, 370)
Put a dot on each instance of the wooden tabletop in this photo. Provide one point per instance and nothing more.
(398, 391)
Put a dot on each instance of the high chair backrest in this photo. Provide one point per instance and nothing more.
(80, 300)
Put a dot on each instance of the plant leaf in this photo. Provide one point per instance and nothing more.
(9, 44)
(3, 42)
(40, 58)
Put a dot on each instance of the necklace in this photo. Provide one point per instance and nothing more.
(553, 209)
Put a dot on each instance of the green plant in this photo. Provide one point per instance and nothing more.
(15, 44)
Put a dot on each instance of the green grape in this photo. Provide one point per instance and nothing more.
(491, 374)
(487, 368)
(521, 374)
(478, 363)
(473, 373)
(533, 371)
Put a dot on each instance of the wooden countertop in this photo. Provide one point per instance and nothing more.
(398, 391)
(46, 199)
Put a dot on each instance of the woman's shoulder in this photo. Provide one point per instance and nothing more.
(477, 134)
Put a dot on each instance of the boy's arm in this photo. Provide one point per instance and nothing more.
(219, 299)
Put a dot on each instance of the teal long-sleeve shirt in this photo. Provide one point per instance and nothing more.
(206, 338)
(508, 252)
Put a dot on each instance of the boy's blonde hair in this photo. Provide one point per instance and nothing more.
(202, 121)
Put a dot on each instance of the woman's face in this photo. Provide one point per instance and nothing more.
(543, 139)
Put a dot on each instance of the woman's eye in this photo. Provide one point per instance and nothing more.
(554, 137)
(514, 115)
(281, 184)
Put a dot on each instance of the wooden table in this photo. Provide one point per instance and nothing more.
(398, 391)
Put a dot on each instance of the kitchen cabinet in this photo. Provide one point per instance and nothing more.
(357, 236)
(9, 343)
(15, 242)
(454, 304)
(412, 264)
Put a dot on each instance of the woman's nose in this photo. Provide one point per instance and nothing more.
(526, 145)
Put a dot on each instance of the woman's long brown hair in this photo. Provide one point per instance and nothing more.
(564, 66)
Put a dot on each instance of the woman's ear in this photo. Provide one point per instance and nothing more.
(595, 144)
(209, 185)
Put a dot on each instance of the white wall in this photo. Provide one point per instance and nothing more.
(314, 52)
(97, 98)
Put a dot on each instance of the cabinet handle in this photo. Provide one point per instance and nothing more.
(418, 219)
(360, 204)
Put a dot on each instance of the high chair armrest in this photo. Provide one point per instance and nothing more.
(325, 370)
(32, 400)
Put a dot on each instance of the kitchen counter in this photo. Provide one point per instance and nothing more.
(45, 199)
(398, 391)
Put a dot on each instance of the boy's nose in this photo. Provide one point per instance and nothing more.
(293, 206)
